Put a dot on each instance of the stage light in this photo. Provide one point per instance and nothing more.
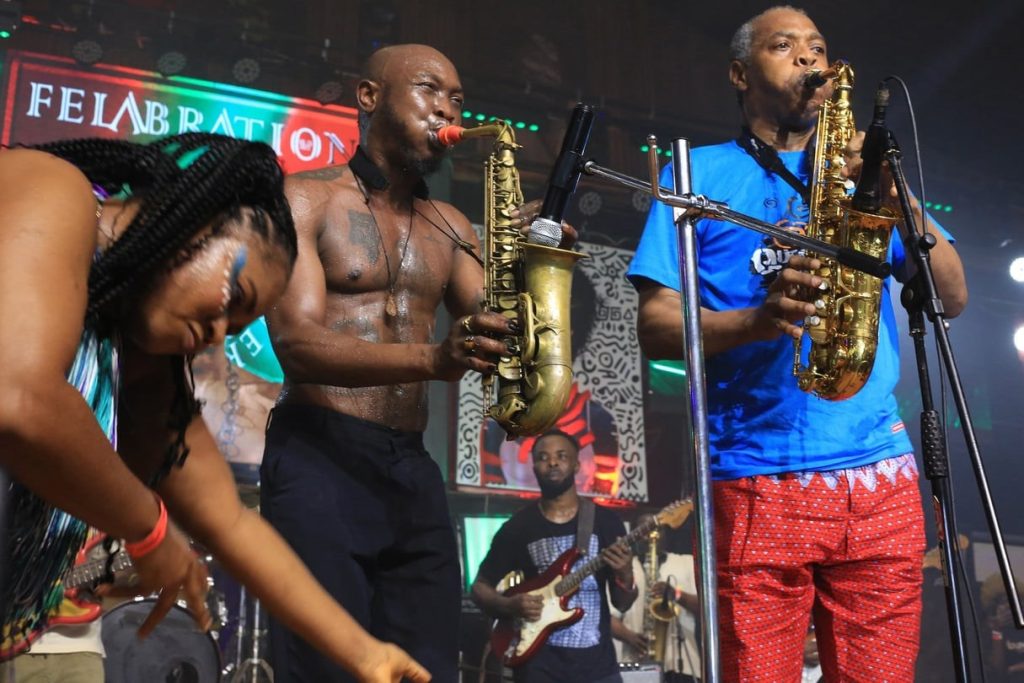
(246, 70)
(641, 201)
(589, 203)
(10, 18)
(1017, 269)
(171, 63)
(330, 88)
(1018, 339)
(87, 51)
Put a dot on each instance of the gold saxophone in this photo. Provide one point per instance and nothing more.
(527, 282)
(844, 329)
(658, 612)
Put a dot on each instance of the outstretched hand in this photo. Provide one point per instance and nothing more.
(387, 663)
(788, 300)
(524, 215)
(170, 569)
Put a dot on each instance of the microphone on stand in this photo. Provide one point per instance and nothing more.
(668, 596)
(547, 227)
(868, 196)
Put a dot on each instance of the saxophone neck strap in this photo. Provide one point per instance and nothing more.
(768, 159)
(371, 175)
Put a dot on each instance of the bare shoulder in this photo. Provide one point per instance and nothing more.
(38, 181)
(314, 194)
(455, 218)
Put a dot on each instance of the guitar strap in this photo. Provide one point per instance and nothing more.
(584, 524)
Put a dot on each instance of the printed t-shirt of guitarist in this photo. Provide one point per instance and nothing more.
(529, 542)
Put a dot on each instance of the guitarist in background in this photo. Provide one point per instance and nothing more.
(531, 541)
(68, 652)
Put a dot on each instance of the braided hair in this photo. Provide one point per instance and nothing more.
(183, 184)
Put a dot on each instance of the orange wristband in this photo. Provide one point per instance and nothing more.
(153, 538)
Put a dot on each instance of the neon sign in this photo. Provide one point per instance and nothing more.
(49, 98)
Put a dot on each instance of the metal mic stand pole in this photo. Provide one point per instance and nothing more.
(921, 296)
(693, 351)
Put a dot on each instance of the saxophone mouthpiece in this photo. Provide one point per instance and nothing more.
(816, 78)
(449, 136)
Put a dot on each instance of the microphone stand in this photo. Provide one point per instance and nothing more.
(920, 297)
(691, 207)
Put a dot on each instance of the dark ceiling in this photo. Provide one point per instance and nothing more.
(654, 66)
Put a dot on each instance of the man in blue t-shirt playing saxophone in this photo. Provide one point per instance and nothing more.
(816, 502)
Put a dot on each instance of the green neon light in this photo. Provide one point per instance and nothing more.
(670, 369)
(480, 117)
(533, 128)
(5, 34)
(946, 208)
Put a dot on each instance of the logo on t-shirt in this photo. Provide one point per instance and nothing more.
(768, 259)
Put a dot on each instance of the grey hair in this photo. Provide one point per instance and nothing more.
(743, 39)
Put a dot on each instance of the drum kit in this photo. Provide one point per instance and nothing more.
(177, 651)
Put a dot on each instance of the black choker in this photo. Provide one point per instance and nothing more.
(373, 178)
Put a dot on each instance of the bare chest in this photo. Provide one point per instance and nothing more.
(365, 253)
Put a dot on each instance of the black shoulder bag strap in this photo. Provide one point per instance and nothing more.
(768, 159)
(584, 524)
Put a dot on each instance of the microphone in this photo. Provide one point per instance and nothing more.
(668, 595)
(547, 227)
(868, 196)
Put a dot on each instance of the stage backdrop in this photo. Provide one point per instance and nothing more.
(48, 98)
(605, 412)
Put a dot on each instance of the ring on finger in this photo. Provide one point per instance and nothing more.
(469, 345)
(467, 327)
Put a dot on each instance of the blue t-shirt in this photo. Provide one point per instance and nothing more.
(759, 420)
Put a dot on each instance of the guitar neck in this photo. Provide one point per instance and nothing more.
(90, 572)
(574, 579)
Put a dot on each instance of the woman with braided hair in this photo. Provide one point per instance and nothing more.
(118, 263)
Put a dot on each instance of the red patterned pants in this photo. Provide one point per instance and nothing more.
(846, 545)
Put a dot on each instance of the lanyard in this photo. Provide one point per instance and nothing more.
(768, 159)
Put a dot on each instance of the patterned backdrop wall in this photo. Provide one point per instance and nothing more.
(605, 410)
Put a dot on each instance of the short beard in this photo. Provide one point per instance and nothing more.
(551, 490)
(387, 118)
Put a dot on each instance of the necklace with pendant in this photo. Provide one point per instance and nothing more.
(390, 304)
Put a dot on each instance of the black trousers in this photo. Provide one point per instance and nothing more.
(364, 506)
